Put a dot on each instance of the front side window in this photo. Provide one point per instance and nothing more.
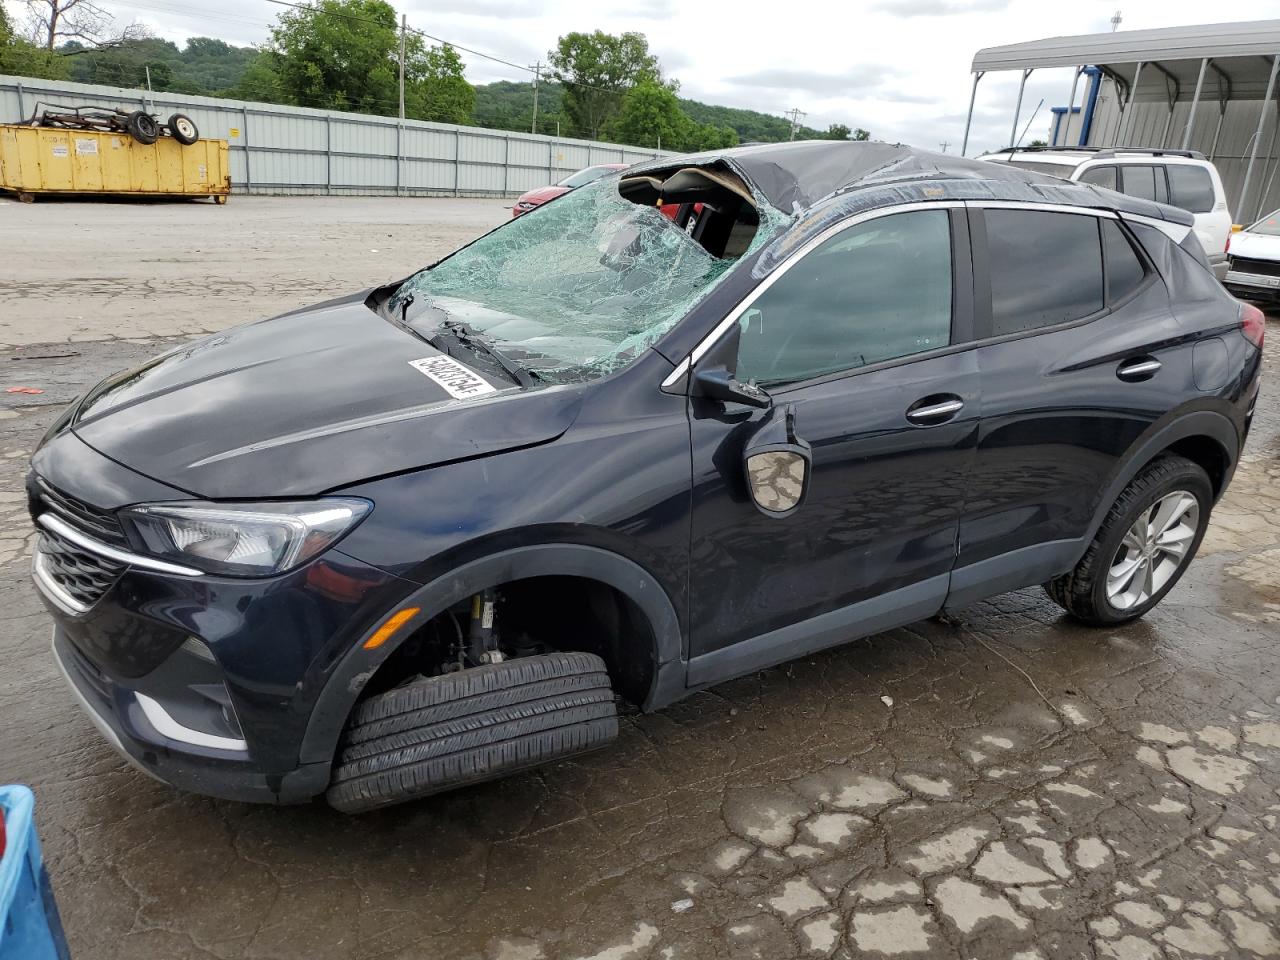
(1104, 176)
(1190, 188)
(874, 292)
(1046, 268)
(1145, 181)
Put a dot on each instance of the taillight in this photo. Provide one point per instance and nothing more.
(1227, 248)
(1253, 324)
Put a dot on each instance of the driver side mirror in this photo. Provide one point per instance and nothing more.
(778, 465)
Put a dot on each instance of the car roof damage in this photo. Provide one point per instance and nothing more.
(820, 182)
(799, 177)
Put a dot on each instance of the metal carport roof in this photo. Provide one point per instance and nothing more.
(1256, 41)
(1223, 62)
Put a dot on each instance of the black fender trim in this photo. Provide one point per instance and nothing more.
(353, 671)
(1195, 423)
(1041, 562)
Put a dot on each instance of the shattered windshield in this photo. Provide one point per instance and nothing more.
(574, 289)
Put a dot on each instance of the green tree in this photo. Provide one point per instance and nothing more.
(339, 54)
(439, 90)
(344, 55)
(860, 134)
(23, 59)
(597, 69)
(650, 116)
(837, 131)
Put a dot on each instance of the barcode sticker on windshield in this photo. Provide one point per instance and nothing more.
(458, 381)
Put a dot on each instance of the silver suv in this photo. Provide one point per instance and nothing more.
(1182, 178)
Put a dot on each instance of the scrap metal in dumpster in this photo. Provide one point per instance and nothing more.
(30, 928)
(47, 160)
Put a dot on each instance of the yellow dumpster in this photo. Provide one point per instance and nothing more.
(49, 160)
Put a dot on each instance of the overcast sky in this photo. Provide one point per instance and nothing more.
(899, 68)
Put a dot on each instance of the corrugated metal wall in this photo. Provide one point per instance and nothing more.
(276, 149)
(1226, 143)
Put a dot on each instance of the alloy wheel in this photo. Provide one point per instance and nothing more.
(1153, 550)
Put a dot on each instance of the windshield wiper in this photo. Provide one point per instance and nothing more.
(466, 335)
(471, 339)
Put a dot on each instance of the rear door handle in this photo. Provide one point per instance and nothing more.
(1135, 371)
(931, 411)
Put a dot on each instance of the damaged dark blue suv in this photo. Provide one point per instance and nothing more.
(432, 533)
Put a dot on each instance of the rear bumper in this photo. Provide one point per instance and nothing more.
(145, 738)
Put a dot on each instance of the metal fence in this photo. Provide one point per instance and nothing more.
(293, 150)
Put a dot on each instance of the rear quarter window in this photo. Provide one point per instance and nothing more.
(1190, 188)
(1144, 180)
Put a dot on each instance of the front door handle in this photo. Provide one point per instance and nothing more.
(1139, 369)
(931, 411)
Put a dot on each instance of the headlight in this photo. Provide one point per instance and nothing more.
(244, 539)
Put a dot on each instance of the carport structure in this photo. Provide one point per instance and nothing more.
(1212, 88)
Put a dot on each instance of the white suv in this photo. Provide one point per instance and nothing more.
(1183, 178)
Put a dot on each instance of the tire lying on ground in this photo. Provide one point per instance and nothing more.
(439, 733)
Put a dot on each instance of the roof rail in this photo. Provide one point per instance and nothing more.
(1037, 148)
(1152, 151)
(1099, 152)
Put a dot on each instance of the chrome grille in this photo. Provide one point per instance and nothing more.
(81, 576)
(101, 525)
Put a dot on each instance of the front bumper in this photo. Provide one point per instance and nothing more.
(208, 683)
(1252, 285)
(159, 746)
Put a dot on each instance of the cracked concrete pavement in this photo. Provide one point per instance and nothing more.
(911, 794)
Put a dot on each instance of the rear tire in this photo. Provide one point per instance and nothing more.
(439, 733)
(1090, 592)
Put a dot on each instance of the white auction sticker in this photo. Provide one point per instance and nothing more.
(460, 382)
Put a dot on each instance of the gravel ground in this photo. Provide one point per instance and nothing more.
(1005, 783)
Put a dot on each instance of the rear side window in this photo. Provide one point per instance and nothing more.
(1190, 188)
(1100, 177)
(1145, 181)
(1046, 268)
(877, 291)
(1125, 271)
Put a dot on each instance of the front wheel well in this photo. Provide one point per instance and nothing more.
(535, 615)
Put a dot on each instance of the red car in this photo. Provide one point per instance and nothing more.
(535, 198)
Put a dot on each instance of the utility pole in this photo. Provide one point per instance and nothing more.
(944, 144)
(537, 73)
(404, 29)
(795, 113)
(147, 68)
(1115, 21)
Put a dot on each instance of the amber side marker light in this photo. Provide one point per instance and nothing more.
(390, 626)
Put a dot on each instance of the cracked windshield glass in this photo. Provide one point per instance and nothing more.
(578, 288)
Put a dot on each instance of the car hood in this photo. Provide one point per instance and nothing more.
(1255, 246)
(541, 195)
(309, 402)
